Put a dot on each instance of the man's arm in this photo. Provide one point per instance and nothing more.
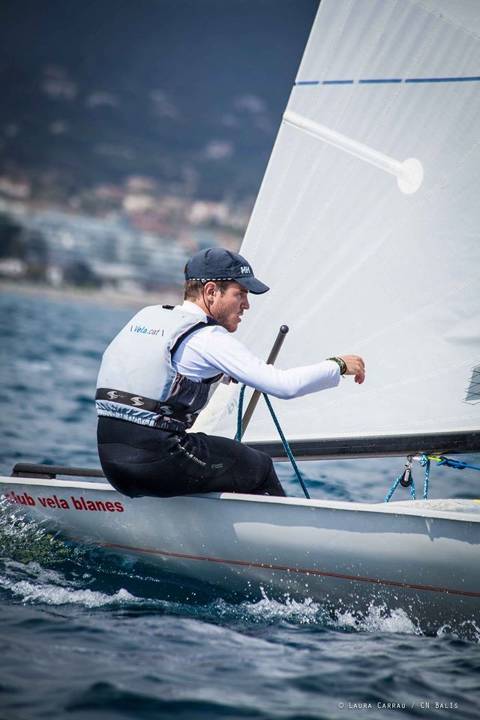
(212, 350)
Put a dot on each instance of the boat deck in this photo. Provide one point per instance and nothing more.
(468, 506)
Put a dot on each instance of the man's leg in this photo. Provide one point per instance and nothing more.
(140, 460)
(218, 464)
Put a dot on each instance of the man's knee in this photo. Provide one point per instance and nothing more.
(267, 463)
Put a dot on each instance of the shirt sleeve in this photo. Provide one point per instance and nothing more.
(214, 350)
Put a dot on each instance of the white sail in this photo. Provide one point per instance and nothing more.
(357, 262)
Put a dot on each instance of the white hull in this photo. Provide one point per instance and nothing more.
(421, 556)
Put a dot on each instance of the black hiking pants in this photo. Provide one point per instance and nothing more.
(141, 460)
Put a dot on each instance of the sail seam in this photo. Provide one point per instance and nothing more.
(389, 81)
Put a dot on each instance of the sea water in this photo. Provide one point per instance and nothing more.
(87, 634)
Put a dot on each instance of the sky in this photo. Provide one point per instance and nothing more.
(99, 88)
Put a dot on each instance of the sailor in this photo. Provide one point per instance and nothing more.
(159, 372)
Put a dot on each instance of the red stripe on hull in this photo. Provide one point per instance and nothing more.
(298, 571)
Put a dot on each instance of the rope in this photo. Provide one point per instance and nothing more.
(286, 446)
(425, 462)
(412, 489)
(449, 462)
(396, 483)
(239, 433)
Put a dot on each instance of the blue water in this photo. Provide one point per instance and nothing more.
(85, 634)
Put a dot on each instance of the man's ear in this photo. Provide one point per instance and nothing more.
(209, 289)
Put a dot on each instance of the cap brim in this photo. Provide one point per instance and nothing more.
(253, 285)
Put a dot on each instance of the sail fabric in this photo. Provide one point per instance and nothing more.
(355, 264)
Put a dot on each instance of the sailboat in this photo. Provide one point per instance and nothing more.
(366, 229)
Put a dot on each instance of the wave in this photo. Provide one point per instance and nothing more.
(41, 567)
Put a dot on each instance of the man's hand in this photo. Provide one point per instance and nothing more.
(355, 366)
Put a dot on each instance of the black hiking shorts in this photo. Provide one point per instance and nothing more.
(141, 460)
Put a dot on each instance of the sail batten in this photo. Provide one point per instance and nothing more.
(356, 266)
(409, 173)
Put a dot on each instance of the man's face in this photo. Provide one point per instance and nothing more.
(228, 307)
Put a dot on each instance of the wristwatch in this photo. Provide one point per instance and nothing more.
(341, 364)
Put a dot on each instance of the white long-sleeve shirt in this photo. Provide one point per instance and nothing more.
(212, 349)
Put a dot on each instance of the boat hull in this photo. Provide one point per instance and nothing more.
(421, 557)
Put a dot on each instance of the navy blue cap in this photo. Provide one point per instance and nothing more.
(221, 264)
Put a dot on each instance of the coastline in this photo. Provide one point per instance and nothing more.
(109, 298)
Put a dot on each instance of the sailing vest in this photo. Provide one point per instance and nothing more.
(137, 381)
